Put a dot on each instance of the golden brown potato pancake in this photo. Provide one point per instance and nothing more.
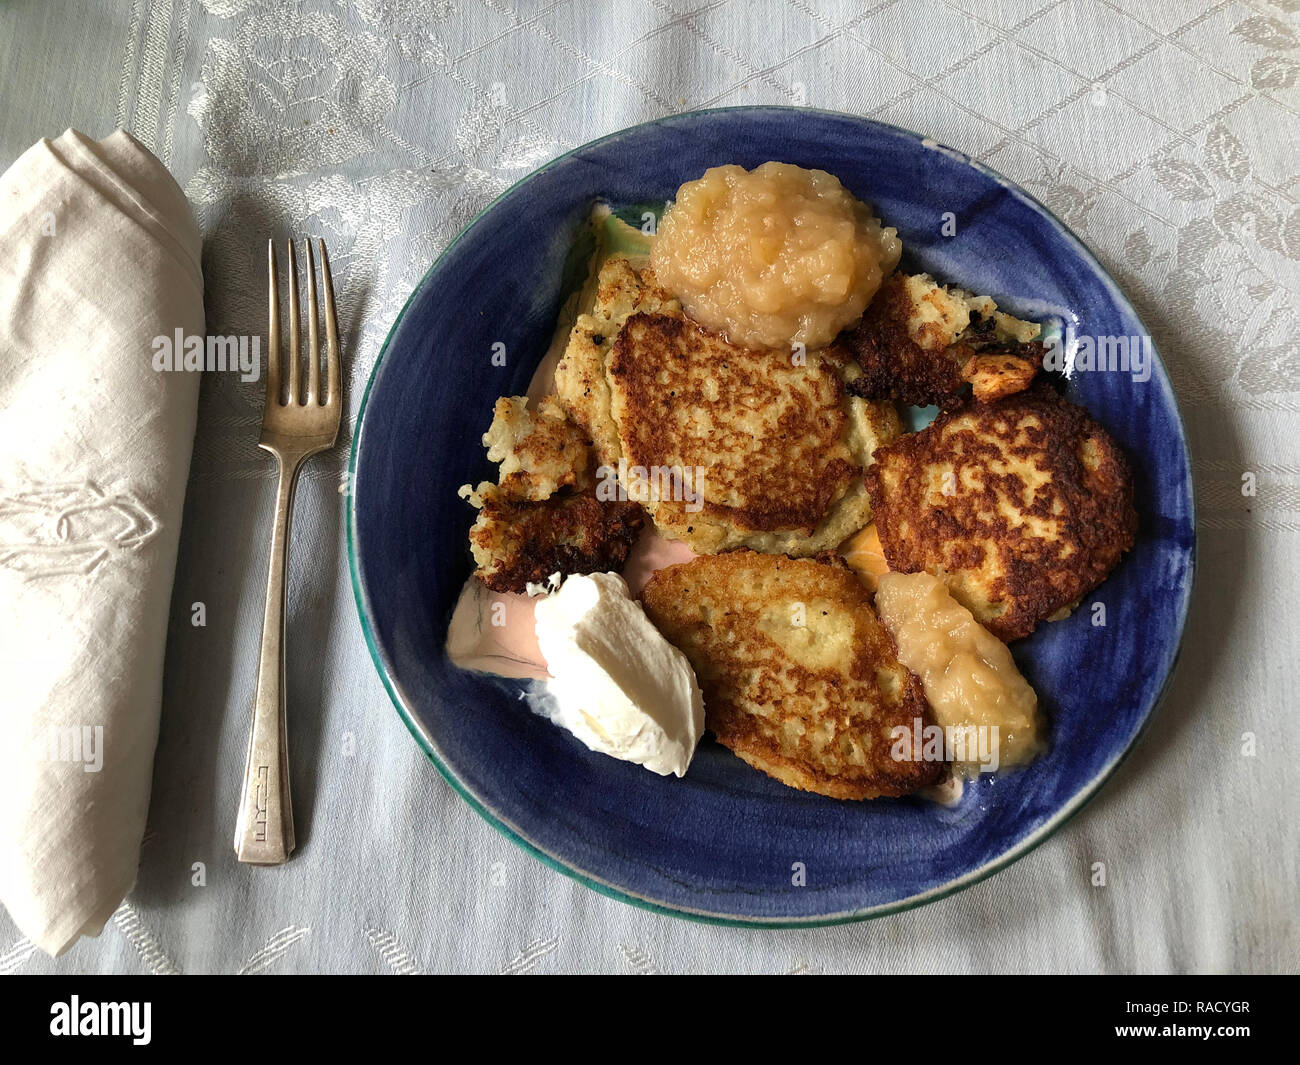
(778, 444)
(544, 516)
(1020, 506)
(800, 678)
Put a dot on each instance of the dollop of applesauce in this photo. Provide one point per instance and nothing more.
(969, 676)
(773, 256)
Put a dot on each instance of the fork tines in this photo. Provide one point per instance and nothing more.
(283, 378)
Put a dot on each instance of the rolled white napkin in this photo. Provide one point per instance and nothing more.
(99, 255)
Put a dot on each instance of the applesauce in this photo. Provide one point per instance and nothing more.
(772, 257)
(969, 676)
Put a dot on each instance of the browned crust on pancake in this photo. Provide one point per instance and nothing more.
(528, 540)
(656, 363)
(931, 372)
(824, 729)
(1011, 576)
(893, 365)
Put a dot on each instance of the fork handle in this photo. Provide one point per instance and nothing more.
(264, 828)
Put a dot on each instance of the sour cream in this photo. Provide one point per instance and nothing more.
(616, 683)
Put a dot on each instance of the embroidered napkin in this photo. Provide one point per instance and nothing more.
(99, 256)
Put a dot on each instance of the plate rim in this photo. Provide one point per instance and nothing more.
(498, 821)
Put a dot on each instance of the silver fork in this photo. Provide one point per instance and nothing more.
(294, 427)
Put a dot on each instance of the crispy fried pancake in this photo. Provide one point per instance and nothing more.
(917, 340)
(800, 678)
(518, 541)
(544, 516)
(1020, 506)
(780, 440)
(780, 444)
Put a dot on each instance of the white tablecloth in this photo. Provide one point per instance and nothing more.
(1164, 132)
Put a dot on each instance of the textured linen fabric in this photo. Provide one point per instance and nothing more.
(99, 255)
(1163, 132)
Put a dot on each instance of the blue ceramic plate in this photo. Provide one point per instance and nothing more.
(722, 843)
